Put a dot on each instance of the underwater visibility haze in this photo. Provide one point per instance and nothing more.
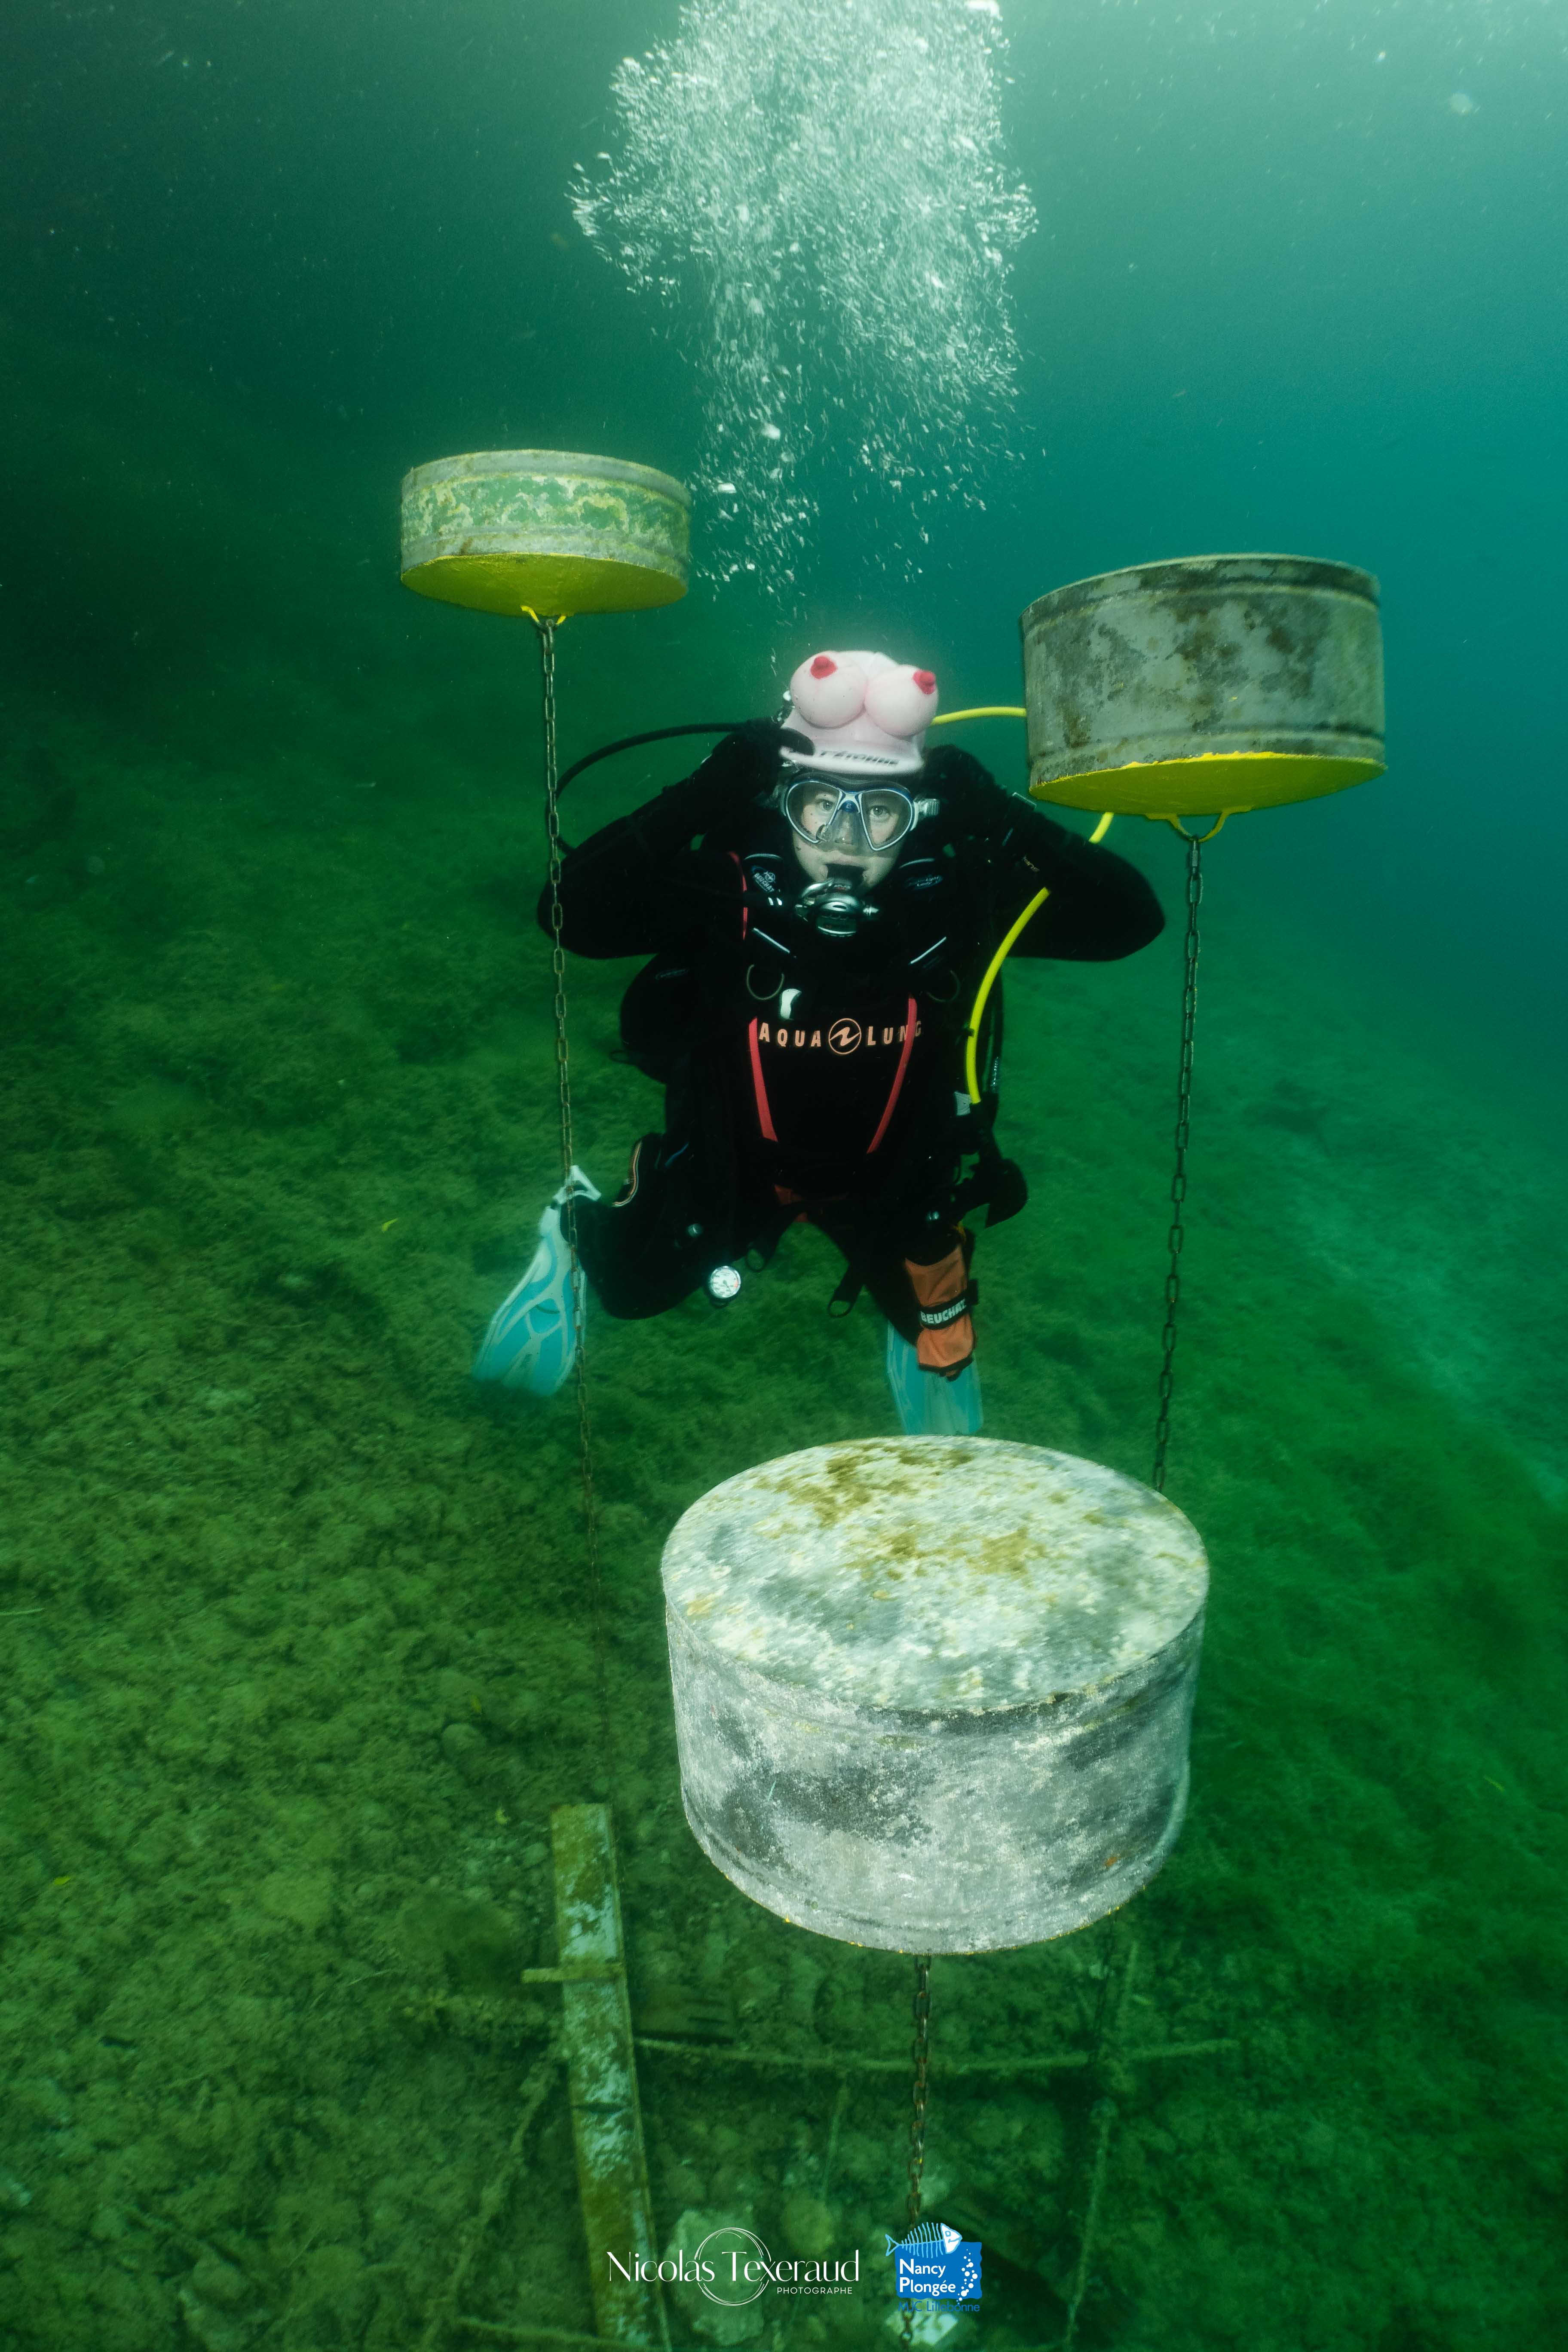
(935, 305)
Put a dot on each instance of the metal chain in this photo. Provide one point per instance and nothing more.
(1179, 1172)
(920, 2053)
(546, 632)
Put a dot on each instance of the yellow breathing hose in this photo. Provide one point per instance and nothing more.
(988, 710)
(972, 1033)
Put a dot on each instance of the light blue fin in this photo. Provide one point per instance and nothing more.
(927, 1405)
(532, 1342)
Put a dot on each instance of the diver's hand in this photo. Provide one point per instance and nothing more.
(749, 759)
(972, 803)
(742, 767)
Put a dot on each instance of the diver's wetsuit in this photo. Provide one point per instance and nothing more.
(817, 1076)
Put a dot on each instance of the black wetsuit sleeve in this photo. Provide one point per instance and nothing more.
(623, 890)
(633, 887)
(1100, 907)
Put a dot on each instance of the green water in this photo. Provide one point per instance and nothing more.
(295, 1622)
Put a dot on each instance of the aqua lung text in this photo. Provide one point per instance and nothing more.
(844, 1037)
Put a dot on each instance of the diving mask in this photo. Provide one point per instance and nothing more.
(855, 820)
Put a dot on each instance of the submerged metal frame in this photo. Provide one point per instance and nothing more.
(597, 2046)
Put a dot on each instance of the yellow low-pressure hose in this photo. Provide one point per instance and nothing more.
(971, 1035)
(988, 710)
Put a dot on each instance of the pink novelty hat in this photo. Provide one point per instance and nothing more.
(865, 714)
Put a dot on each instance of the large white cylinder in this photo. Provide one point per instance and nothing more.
(934, 1694)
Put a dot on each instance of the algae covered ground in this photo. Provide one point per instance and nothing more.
(298, 1633)
(298, 1640)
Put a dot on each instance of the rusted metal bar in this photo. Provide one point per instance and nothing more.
(606, 2121)
(796, 2061)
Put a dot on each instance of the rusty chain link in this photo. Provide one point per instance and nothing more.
(546, 631)
(1179, 1172)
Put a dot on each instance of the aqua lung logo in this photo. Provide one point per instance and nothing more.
(732, 2266)
(844, 1036)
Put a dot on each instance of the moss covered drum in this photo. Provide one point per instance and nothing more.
(934, 1694)
(508, 530)
(1215, 682)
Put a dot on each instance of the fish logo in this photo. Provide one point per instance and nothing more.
(928, 2233)
(844, 1037)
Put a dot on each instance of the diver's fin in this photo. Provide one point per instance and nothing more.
(927, 1405)
(532, 1342)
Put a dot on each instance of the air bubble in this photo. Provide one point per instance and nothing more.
(868, 201)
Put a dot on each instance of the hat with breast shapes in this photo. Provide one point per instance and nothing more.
(865, 714)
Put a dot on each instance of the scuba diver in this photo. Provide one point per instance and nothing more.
(818, 903)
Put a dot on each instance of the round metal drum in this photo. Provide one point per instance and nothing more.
(934, 1694)
(1216, 682)
(504, 530)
